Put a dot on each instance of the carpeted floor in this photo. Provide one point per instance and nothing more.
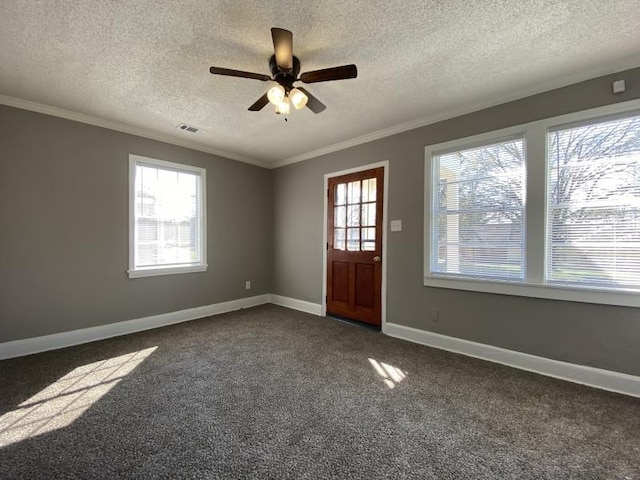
(269, 392)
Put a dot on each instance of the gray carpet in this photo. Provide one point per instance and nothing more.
(269, 392)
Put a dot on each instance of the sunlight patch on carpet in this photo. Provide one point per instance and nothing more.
(65, 400)
(391, 375)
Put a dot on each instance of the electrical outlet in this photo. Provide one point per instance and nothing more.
(434, 315)
(247, 285)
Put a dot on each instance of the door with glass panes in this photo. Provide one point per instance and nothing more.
(354, 246)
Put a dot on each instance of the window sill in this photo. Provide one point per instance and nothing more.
(157, 271)
(624, 298)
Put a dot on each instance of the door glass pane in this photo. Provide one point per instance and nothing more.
(368, 239)
(338, 239)
(341, 194)
(369, 215)
(353, 239)
(340, 216)
(353, 216)
(369, 190)
(353, 192)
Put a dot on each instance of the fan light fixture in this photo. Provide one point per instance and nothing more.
(285, 67)
(282, 100)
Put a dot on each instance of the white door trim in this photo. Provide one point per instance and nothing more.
(385, 204)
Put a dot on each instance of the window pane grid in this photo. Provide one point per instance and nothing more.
(354, 215)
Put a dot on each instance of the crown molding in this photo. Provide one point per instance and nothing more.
(620, 66)
(626, 64)
(122, 127)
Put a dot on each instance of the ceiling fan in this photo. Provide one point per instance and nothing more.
(285, 68)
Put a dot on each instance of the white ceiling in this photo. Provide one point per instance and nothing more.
(143, 65)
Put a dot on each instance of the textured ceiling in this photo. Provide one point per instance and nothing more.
(145, 63)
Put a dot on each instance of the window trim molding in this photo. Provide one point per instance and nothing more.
(153, 271)
(535, 135)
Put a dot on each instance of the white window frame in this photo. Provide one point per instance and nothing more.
(535, 134)
(138, 272)
(517, 135)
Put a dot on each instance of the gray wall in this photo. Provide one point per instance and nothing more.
(596, 335)
(64, 228)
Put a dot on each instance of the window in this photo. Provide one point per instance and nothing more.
(593, 204)
(478, 211)
(549, 209)
(167, 218)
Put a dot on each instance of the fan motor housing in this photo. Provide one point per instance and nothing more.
(284, 77)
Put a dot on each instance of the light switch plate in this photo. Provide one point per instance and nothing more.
(396, 225)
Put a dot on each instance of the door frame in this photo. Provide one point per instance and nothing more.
(385, 202)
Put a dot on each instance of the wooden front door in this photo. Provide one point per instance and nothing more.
(354, 246)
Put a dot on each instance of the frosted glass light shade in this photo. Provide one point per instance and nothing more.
(298, 98)
(276, 94)
(284, 107)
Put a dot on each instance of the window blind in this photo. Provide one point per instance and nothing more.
(593, 204)
(478, 212)
(167, 216)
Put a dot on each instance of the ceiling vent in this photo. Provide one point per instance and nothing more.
(188, 128)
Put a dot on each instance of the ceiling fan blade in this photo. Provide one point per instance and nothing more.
(283, 47)
(239, 73)
(313, 104)
(329, 74)
(260, 103)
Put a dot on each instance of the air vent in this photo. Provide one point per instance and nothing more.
(188, 128)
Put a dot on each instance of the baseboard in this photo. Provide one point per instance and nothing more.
(28, 346)
(584, 375)
(295, 304)
(593, 377)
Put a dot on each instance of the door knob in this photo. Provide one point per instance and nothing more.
(376, 258)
